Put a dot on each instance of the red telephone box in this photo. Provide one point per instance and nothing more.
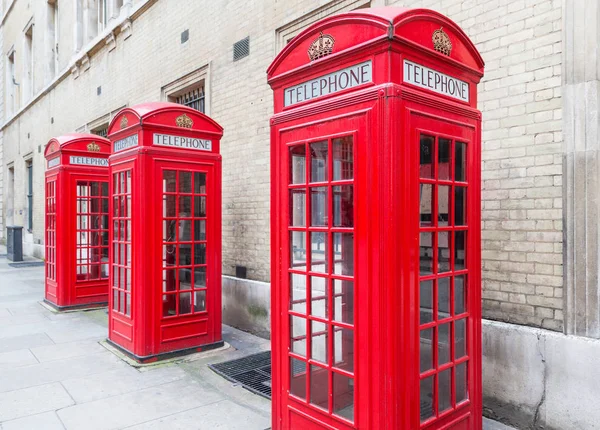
(165, 280)
(76, 221)
(375, 229)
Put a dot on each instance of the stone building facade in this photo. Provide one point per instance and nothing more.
(70, 65)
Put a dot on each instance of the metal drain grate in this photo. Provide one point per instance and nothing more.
(28, 264)
(253, 372)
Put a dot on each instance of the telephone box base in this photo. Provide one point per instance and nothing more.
(165, 355)
(74, 308)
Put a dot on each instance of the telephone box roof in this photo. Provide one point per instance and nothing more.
(66, 140)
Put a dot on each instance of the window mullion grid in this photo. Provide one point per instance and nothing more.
(307, 223)
(329, 271)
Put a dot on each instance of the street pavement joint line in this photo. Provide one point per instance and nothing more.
(70, 396)
(175, 413)
(33, 415)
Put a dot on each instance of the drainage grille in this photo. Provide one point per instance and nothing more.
(253, 372)
(28, 264)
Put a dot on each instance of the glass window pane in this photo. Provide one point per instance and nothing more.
(199, 230)
(460, 160)
(443, 344)
(298, 164)
(426, 398)
(298, 293)
(426, 158)
(298, 335)
(426, 302)
(461, 383)
(185, 254)
(199, 183)
(169, 181)
(298, 378)
(443, 298)
(460, 206)
(199, 206)
(318, 201)
(426, 253)
(444, 388)
(318, 161)
(318, 252)
(318, 340)
(200, 301)
(426, 350)
(460, 338)
(297, 208)
(460, 248)
(426, 205)
(298, 250)
(443, 247)
(343, 206)
(343, 254)
(318, 291)
(185, 303)
(343, 304)
(170, 206)
(185, 206)
(343, 349)
(169, 305)
(200, 253)
(199, 277)
(185, 182)
(444, 159)
(460, 294)
(343, 396)
(319, 387)
(443, 207)
(168, 280)
(343, 158)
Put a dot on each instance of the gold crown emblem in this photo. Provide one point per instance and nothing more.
(53, 148)
(184, 121)
(93, 147)
(124, 122)
(321, 47)
(441, 42)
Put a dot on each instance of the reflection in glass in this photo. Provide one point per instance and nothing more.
(298, 378)
(426, 253)
(343, 206)
(298, 250)
(343, 254)
(168, 280)
(169, 305)
(461, 383)
(460, 206)
(444, 161)
(318, 201)
(199, 277)
(297, 164)
(460, 161)
(200, 253)
(199, 206)
(426, 205)
(297, 208)
(443, 206)
(443, 298)
(319, 387)
(298, 293)
(444, 388)
(426, 398)
(460, 338)
(298, 335)
(460, 296)
(185, 254)
(318, 161)
(343, 396)
(199, 183)
(343, 302)
(169, 181)
(426, 350)
(318, 252)
(169, 206)
(185, 182)
(426, 301)
(426, 157)
(185, 303)
(343, 349)
(199, 230)
(200, 301)
(318, 295)
(319, 341)
(443, 247)
(343, 159)
(443, 344)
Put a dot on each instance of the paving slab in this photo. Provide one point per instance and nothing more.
(33, 400)
(224, 415)
(18, 358)
(43, 421)
(61, 351)
(138, 407)
(24, 342)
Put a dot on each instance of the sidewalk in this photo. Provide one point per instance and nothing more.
(55, 375)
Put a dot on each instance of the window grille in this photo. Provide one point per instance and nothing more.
(193, 98)
(101, 131)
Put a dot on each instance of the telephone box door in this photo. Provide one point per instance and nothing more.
(319, 229)
(448, 277)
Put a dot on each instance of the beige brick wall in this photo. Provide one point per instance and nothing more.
(520, 41)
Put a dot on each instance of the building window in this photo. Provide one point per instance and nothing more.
(10, 204)
(101, 130)
(28, 65)
(102, 13)
(29, 170)
(191, 90)
(11, 83)
(52, 39)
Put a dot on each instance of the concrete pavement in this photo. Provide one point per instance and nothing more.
(55, 375)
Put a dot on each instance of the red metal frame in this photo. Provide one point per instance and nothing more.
(76, 221)
(165, 180)
(404, 205)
